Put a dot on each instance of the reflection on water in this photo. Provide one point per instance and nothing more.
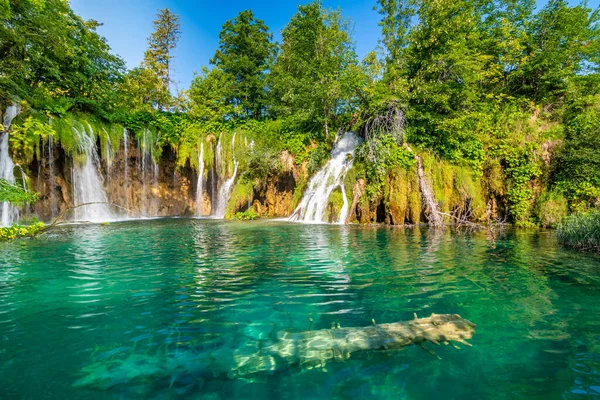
(162, 308)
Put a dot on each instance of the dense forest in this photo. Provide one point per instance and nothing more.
(494, 103)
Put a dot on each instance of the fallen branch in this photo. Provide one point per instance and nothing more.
(61, 216)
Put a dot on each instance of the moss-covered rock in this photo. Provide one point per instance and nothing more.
(240, 199)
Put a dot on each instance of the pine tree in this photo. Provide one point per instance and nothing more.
(161, 43)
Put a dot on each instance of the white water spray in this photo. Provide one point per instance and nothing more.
(225, 190)
(87, 180)
(9, 214)
(316, 197)
(126, 168)
(149, 206)
(199, 186)
(53, 202)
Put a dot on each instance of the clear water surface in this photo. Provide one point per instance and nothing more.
(155, 309)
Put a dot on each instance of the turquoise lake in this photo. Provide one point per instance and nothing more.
(155, 309)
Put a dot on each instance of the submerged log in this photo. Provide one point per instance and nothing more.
(311, 349)
(307, 349)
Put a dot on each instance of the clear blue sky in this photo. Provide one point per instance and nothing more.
(127, 24)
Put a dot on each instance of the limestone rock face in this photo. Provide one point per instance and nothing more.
(162, 192)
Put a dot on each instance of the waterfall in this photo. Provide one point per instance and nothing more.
(53, 203)
(108, 157)
(87, 181)
(149, 168)
(225, 190)
(126, 168)
(316, 197)
(9, 214)
(200, 178)
(218, 155)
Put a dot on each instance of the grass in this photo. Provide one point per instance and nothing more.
(581, 231)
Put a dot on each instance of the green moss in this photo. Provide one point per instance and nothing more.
(468, 193)
(414, 197)
(65, 136)
(299, 191)
(398, 197)
(241, 196)
(334, 206)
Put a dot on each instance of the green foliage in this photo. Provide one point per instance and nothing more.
(15, 194)
(159, 55)
(521, 166)
(395, 24)
(50, 56)
(551, 209)
(247, 215)
(380, 155)
(504, 97)
(258, 163)
(245, 48)
(209, 95)
(15, 231)
(25, 139)
(240, 199)
(581, 230)
(314, 76)
(577, 165)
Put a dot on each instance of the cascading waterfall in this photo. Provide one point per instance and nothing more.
(316, 197)
(9, 214)
(225, 190)
(199, 186)
(87, 181)
(108, 157)
(53, 202)
(126, 168)
(149, 168)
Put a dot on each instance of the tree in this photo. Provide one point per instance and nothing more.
(161, 44)
(445, 65)
(313, 75)
(209, 95)
(50, 54)
(395, 25)
(244, 50)
(141, 89)
(565, 42)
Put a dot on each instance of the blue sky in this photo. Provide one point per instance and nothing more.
(127, 24)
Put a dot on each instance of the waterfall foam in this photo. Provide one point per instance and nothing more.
(9, 214)
(316, 197)
(87, 180)
(225, 190)
(126, 168)
(149, 168)
(199, 186)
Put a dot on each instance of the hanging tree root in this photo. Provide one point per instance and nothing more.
(310, 349)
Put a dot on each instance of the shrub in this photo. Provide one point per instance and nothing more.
(581, 231)
(551, 209)
(248, 215)
(15, 231)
